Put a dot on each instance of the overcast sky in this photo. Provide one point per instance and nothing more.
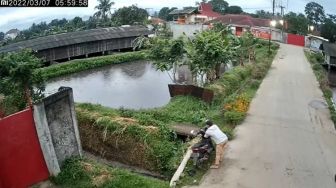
(22, 18)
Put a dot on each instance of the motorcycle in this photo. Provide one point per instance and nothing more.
(201, 151)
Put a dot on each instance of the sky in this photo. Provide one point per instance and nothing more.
(22, 18)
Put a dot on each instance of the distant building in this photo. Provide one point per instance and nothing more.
(240, 23)
(194, 15)
(329, 51)
(12, 34)
(314, 42)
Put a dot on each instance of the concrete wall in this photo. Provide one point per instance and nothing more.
(188, 29)
(57, 128)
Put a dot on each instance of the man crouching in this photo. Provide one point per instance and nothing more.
(219, 138)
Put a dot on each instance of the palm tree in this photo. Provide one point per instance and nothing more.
(104, 9)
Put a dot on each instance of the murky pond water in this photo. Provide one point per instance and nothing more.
(134, 85)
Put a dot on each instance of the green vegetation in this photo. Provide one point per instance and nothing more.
(315, 60)
(149, 131)
(90, 63)
(83, 173)
(17, 80)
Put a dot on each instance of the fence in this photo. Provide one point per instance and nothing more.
(35, 143)
(21, 159)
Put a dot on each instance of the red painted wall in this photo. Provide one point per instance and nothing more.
(21, 160)
(298, 40)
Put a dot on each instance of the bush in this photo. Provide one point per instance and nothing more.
(72, 171)
(234, 118)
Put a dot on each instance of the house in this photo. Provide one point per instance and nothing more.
(12, 34)
(329, 51)
(240, 23)
(314, 42)
(194, 15)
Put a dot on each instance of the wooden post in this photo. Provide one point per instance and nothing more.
(184, 162)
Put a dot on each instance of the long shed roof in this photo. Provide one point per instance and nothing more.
(65, 39)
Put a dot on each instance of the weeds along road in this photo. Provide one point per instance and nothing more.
(288, 139)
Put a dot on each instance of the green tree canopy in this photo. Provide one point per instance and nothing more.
(296, 23)
(2, 36)
(328, 29)
(263, 14)
(234, 10)
(130, 15)
(18, 79)
(164, 13)
(219, 6)
(315, 13)
(104, 9)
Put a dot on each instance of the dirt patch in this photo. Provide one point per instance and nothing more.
(100, 179)
(125, 121)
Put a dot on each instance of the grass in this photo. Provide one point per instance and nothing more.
(89, 63)
(315, 60)
(151, 129)
(83, 173)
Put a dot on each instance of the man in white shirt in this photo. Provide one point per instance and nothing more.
(219, 138)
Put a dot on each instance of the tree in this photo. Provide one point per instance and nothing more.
(263, 14)
(219, 6)
(164, 13)
(130, 15)
(234, 10)
(296, 23)
(208, 51)
(328, 29)
(2, 36)
(18, 78)
(104, 9)
(315, 13)
(77, 23)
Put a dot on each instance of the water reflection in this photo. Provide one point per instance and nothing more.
(134, 85)
(129, 85)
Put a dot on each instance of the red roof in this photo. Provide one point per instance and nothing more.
(240, 19)
(205, 9)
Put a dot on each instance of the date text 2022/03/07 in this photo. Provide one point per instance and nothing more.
(44, 3)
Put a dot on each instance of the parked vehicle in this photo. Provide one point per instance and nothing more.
(201, 151)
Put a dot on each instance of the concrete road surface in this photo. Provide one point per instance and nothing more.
(288, 139)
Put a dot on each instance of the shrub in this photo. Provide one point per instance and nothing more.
(71, 171)
(234, 118)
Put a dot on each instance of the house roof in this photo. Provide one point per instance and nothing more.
(157, 21)
(206, 10)
(65, 39)
(317, 37)
(329, 48)
(12, 31)
(184, 11)
(244, 20)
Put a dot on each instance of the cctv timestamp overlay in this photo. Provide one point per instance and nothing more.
(44, 3)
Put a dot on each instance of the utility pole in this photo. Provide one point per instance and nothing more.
(283, 21)
(270, 34)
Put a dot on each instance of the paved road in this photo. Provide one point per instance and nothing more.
(287, 140)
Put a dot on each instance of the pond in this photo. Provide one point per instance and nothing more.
(136, 85)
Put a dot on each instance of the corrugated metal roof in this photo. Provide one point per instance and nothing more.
(244, 20)
(184, 11)
(65, 39)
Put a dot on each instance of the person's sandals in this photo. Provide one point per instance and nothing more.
(214, 166)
